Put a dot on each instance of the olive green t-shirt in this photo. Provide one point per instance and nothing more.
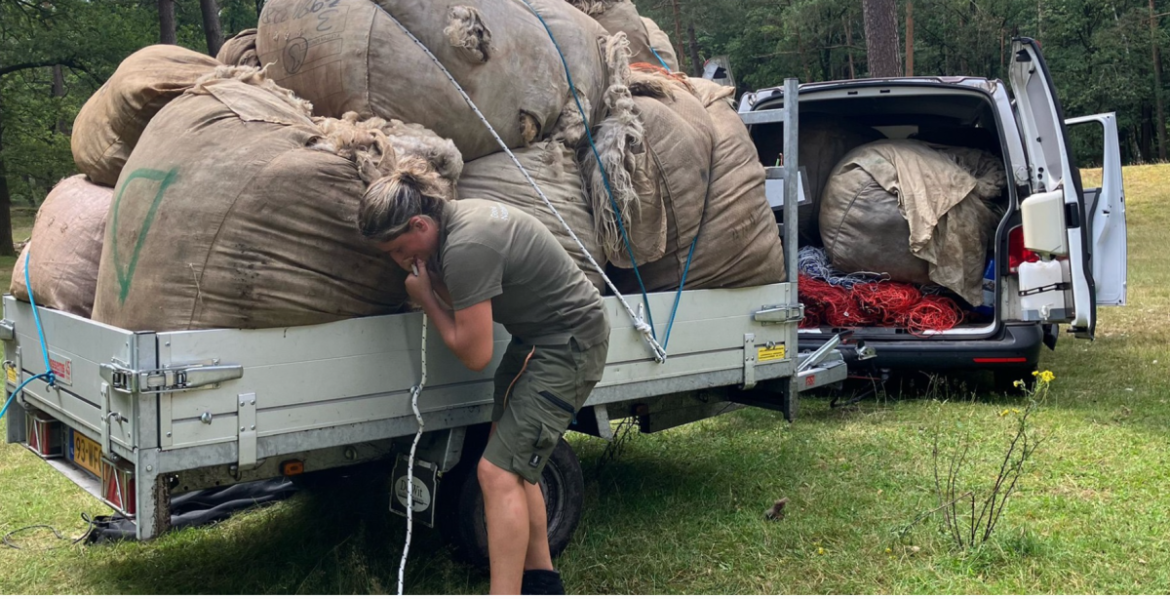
(493, 251)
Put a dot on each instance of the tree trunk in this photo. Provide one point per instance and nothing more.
(59, 92)
(166, 22)
(849, 47)
(881, 38)
(6, 247)
(1146, 134)
(211, 27)
(696, 64)
(909, 38)
(678, 38)
(1159, 111)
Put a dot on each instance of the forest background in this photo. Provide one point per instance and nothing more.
(1105, 56)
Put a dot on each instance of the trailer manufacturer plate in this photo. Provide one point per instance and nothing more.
(765, 354)
(10, 373)
(62, 368)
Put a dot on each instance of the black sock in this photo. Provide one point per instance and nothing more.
(542, 582)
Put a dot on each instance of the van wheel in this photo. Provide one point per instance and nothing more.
(461, 503)
(1005, 380)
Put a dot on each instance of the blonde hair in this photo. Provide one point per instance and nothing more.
(414, 189)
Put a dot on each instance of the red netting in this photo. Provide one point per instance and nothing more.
(934, 313)
(885, 304)
(830, 305)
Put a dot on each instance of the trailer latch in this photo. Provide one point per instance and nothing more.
(169, 380)
(779, 314)
(7, 330)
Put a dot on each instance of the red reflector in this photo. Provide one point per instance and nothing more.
(1000, 360)
(42, 434)
(118, 486)
(1017, 253)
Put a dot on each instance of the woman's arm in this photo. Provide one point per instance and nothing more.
(467, 332)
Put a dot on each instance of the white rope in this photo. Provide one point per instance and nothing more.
(410, 463)
(639, 324)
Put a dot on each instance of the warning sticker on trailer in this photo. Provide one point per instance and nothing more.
(766, 354)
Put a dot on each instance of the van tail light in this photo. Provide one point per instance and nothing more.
(1017, 253)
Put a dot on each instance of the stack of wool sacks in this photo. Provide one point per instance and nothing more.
(234, 189)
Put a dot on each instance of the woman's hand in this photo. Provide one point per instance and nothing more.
(418, 284)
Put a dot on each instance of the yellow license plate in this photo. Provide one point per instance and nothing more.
(764, 354)
(87, 454)
(10, 372)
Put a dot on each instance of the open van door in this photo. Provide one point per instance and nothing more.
(1105, 206)
(1060, 287)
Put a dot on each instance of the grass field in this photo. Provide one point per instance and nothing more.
(681, 511)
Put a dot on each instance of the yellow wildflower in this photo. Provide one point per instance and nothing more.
(1047, 376)
(1018, 384)
(820, 550)
(1004, 413)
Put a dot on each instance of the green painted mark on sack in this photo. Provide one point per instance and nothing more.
(164, 179)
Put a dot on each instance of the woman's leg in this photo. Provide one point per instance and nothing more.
(506, 510)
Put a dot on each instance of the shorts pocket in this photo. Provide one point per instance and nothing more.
(547, 437)
(558, 402)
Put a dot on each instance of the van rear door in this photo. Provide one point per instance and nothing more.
(1105, 206)
(1055, 218)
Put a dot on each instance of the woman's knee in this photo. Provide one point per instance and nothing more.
(492, 478)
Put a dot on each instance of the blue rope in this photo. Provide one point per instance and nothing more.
(19, 388)
(681, 284)
(604, 175)
(48, 376)
(664, 65)
(37, 320)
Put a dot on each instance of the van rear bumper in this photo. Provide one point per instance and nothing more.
(1016, 346)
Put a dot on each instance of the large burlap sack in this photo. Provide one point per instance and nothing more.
(824, 140)
(738, 243)
(240, 50)
(554, 169)
(235, 211)
(915, 211)
(656, 151)
(110, 122)
(348, 55)
(660, 42)
(66, 246)
(621, 16)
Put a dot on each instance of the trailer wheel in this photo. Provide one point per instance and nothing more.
(461, 502)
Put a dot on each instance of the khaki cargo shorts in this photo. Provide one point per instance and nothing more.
(539, 389)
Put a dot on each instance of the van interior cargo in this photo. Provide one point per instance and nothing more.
(834, 123)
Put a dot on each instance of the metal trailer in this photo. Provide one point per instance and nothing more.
(136, 416)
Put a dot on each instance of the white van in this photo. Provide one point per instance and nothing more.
(1080, 232)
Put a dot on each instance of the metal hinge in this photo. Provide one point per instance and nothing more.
(749, 361)
(779, 314)
(169, 380)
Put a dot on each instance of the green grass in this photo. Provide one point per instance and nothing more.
(681, 511)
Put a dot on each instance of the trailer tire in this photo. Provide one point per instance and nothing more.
(461, 503)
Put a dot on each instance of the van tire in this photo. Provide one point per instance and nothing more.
(461, 503)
